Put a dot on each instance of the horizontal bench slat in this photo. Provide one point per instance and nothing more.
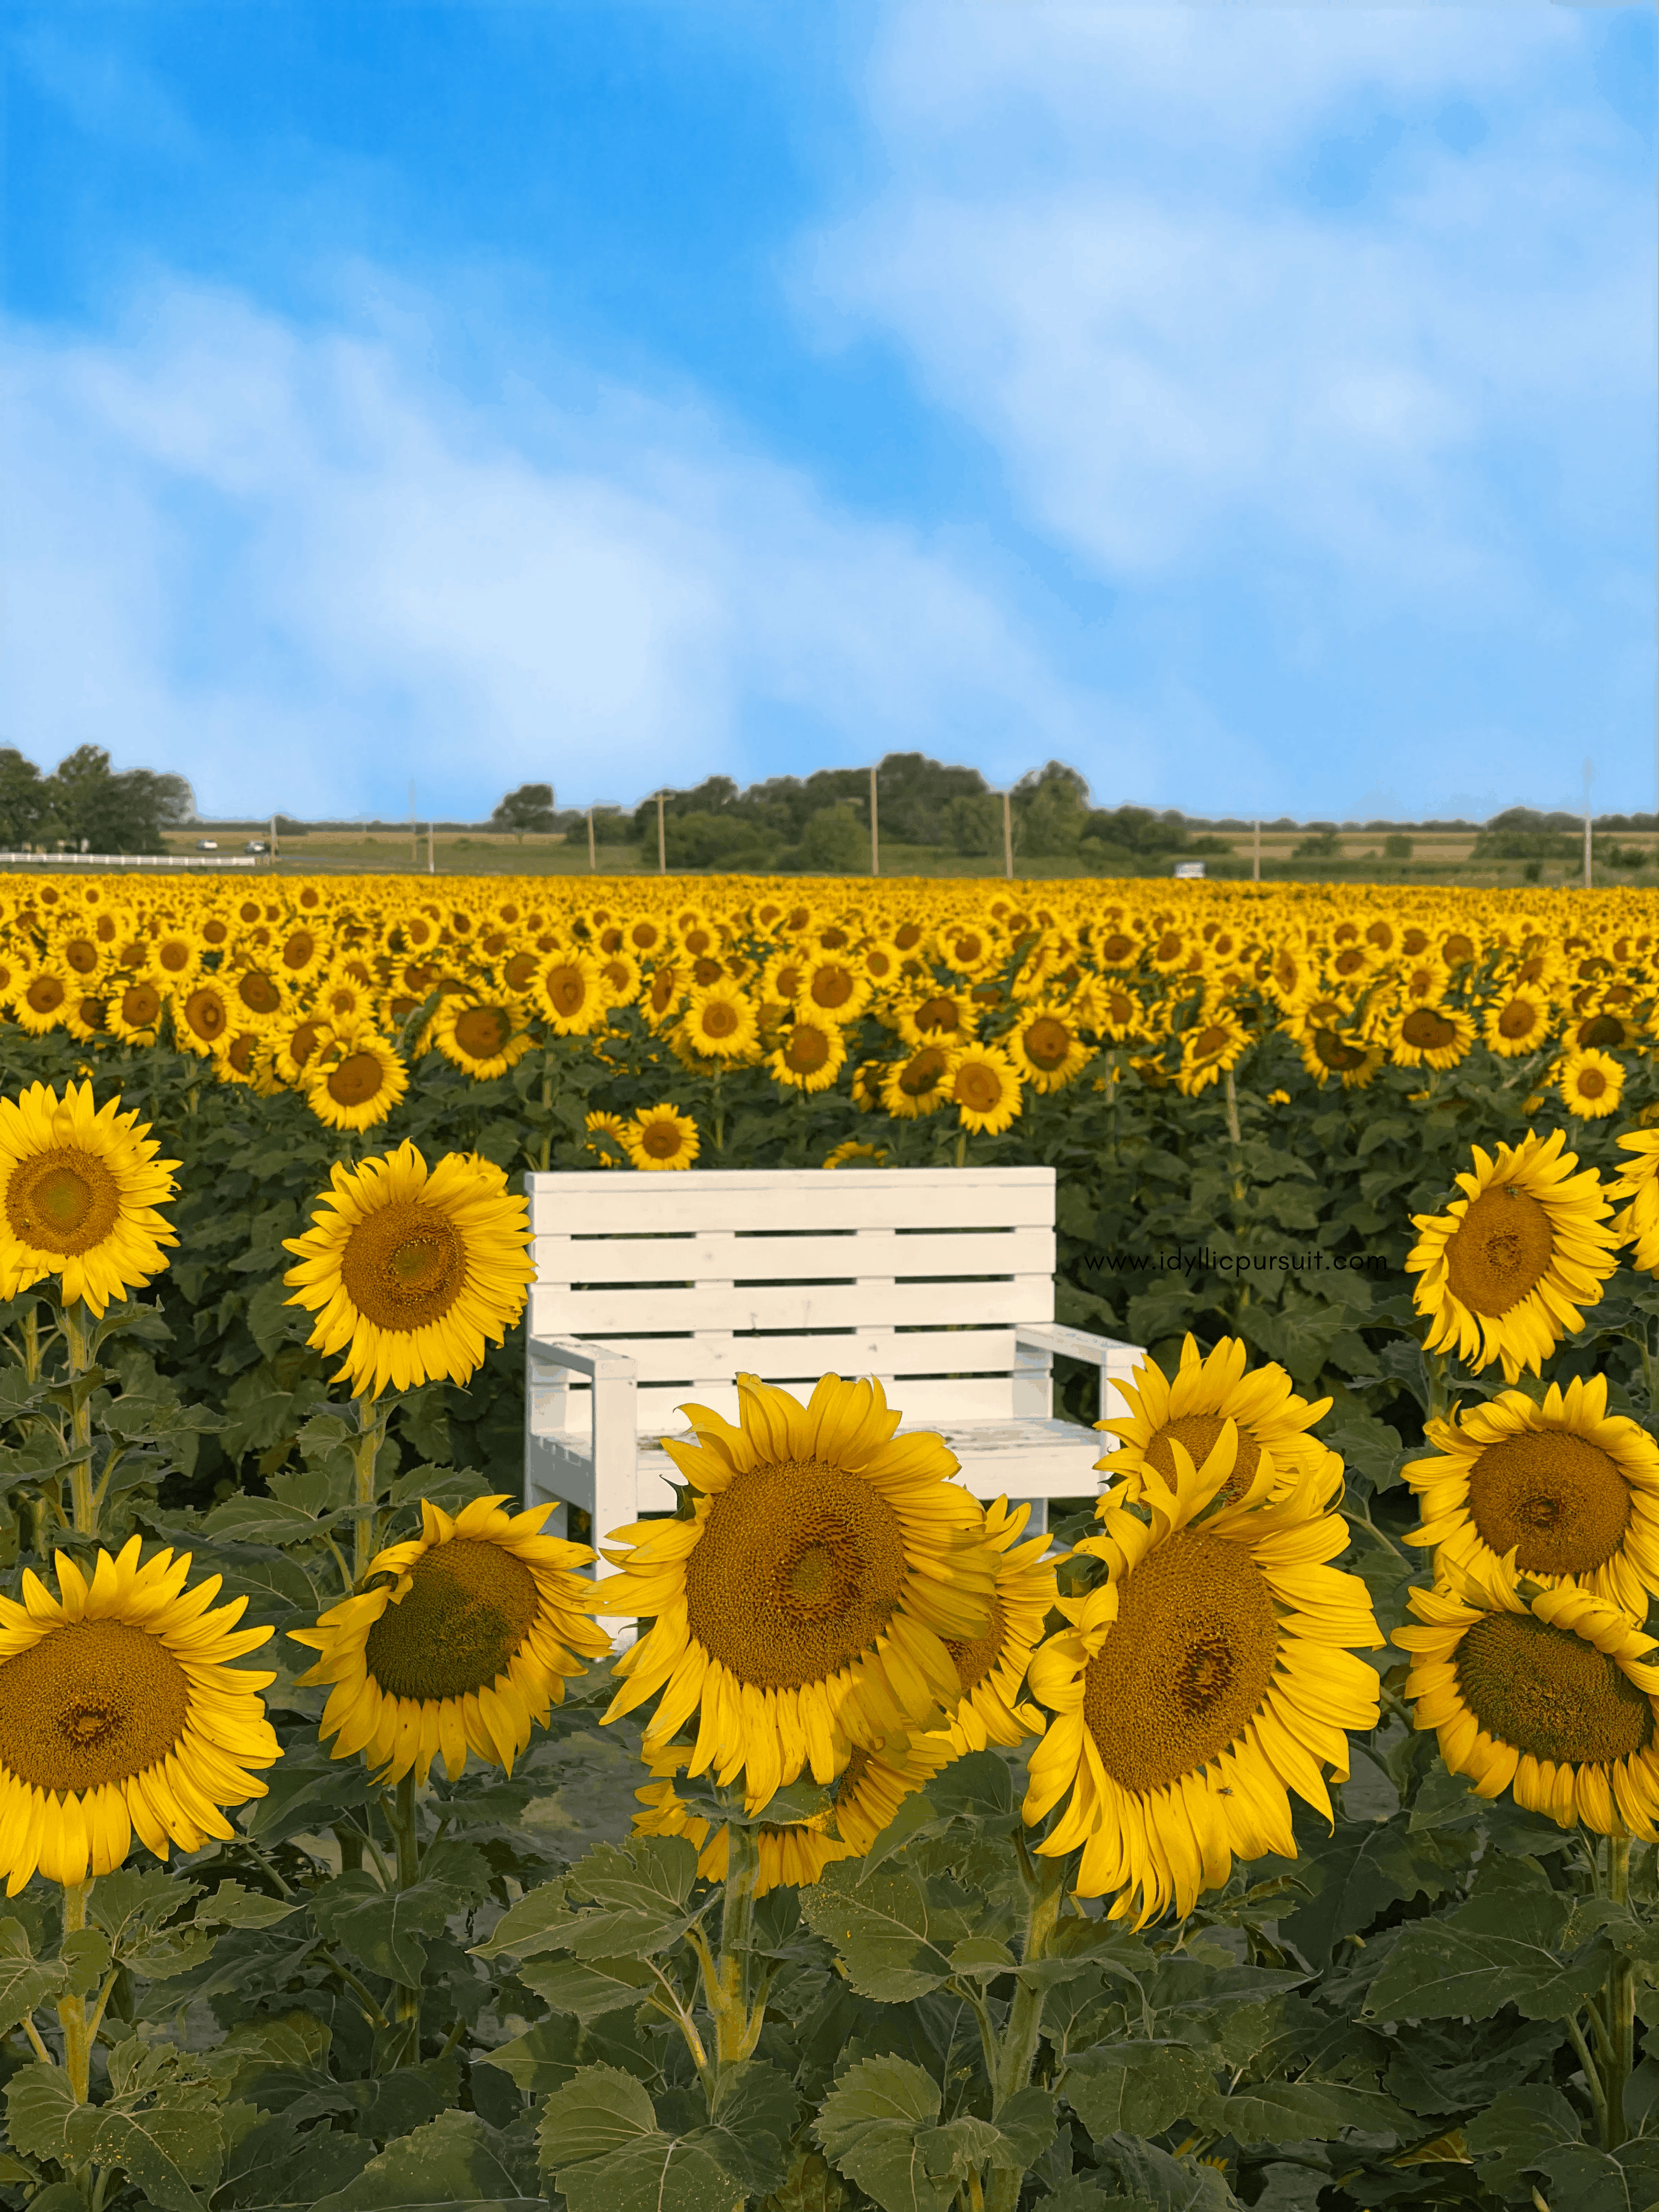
(616, 1204)
(716, 1307)
(720, 1256)
(788, 1359)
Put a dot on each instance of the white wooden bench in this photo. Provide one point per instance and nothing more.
(652, 1290)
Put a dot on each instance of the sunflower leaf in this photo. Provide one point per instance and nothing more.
(39, 2105)
(457, 2163)
(1500, 1950)
(870, 2127)
(588, 1989)
(25, 1980)
(539, 1921)
(1137, 2088)
(892, 1939)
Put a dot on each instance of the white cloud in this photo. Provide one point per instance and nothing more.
(1331, 330)
(290, 564)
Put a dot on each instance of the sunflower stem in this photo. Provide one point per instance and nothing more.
(406, 2001)
(72, 2011)
(366, 1453)
(1592, 2077)
(1621, 2006)
(1232, 1118)
(735, 2034)
(32, 1345)
(78, 1344)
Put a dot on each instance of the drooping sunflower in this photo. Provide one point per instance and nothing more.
(354, 1082)
(79, 1186)
(811, 1054)
(293, 1044)
(808, 1606)
(1440, 1036)
(120, 1713)
(985, 1089)
(853, 1151)
(661, 1137)
(484, 1035)
(920, 1084)
(992, 1667)
(462, 1640)
(1568, 1489)
(409, 1273)
(1211, 1672)
(1552, 1694)
(1591, 1084)
(1209, 1393)
(1327, 1051)
(788, 1856)
(1637, 1223)
(1506, 1269)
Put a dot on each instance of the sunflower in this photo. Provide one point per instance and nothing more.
(603, 1125)
(354, 1082)
(1548, 1693)
(808, 1605)
(839, 985)
(571, 994)
(811, 1053)
(1516, 1022)
(409, 1272)
(119, 1711)
(992, 1667)
(1208, 1050)
(720, 1023)
(1430, 1036)
(1045, 1047)
(176, 957)
(1327, 1051)
(134, 1010)
(344, 1001)
(1211, 1393)
(1507, 1267)
(244, 1060)
(985, 1089)
(202, 1022)
(1423, 982)
(948, 1018)
(257, 998)
(462, 1640)
(1590, 1083)
(791, 1857)
(661, 1137)
(79, 1186)
(920, 1085)
(1639, 1224)
(853, 1149)
(1204, 1678)
(486, 1037)
(42, 1003)
(293, 1045)
(1567, 1490)
(301, 950)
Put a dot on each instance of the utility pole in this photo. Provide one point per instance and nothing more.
(1589, 777)
(414, 834)
(1008, 836)
(875, 842)
(593, 857)
(662, 841)
(432, 848)
(1255, 855)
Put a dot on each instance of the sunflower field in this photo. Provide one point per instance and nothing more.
(1287, 1835)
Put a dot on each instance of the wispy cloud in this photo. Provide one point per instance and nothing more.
(295, 566)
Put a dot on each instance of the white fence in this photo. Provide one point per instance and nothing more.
(131, 859)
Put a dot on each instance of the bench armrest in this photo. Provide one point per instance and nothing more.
(1075, 1343)
(596, 1361)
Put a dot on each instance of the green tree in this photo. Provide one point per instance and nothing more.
(24, 806)
(1051, 809)
(88, 806)
(834, 842)
(529, 807)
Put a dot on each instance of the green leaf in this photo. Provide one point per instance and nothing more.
(1291, 2112)
(539, 1921)
(1517, 2132)
(1591, 2180)
(1355, 1878)
(894, 1943)
(231, 1905)
(459, 2163)
(306, 1790)
(543, 2059)
(640, 1889)
(380, 1928)
(599, 2137)
(246, 1520)
(1137, 2088)
(25, 1981)
(874, 2125)
(85, 1956)
(171, 2151)
(1146, 2175)
(130, 1907)
(274, 2168)
(600, 2110)
(588, 1988)
(39, 2106)
(1466, 1967)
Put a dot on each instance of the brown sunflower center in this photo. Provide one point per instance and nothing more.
(1557, 1501)
(1519, 1018)
(482, 1032)
(204, 1011)
(1187, 1663)
(807, 1050)
(1499, 1251)
(520, 970)
(1592, 1084)
(93, 1702)
(832, 986)
(567, 990)
(1199, 1434)
(359, 1078)
(720, 1018)
(298, 949)
(664, 1139)
(941, 1013)
(257, 993)
(404, 1266)
(798, 1568)
(469, 1606)
(141, 1004)
(1548, 1692)
(1332, 1052)
(46, 995)
(1602, 1030)
(1428, 1032)
(1046, 1044)
(63, 1200)
(923, 1072)
(979, 1088)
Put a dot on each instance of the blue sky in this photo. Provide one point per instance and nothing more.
(1252, 406)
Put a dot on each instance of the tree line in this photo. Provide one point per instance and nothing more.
(85, 806)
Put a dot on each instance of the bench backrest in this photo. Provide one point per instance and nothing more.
(916, 1275)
